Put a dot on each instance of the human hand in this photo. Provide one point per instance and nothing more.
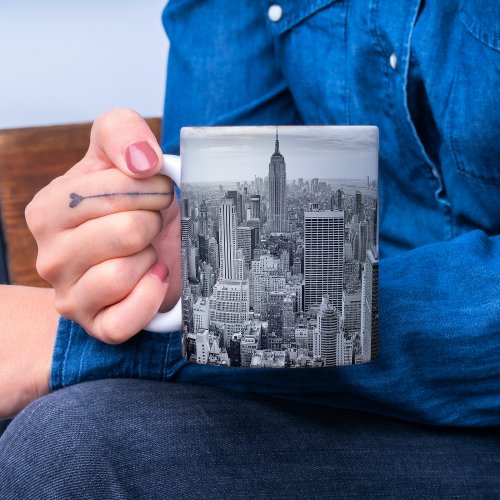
(101, 228)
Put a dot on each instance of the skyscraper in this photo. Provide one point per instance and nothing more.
(186, 236)
(213, 254)
(359, 204)
(328, 327)
(255, 205)
(363, 240)
(203, 218)
(277, 221)
(351, 310)
(227, 232)
(323, 257)
(369, 306)
(244, 242)
(275, 318)
(340, 201)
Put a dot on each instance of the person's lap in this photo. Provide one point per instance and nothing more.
(135, 438)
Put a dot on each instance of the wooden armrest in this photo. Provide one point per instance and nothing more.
(29, 159)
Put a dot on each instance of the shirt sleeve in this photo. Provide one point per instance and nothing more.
(78, 357)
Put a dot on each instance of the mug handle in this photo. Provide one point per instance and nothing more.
(169, 321)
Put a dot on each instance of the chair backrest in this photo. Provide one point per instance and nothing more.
(29, 159)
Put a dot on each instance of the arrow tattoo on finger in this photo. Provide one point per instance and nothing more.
(76, 199)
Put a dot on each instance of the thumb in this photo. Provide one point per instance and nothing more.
(121, 138)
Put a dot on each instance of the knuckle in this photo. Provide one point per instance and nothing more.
(134, 233)
(130, 234)
(119, 277)
(34, 215)
(37, 213)
(111, 330)
(48, 267)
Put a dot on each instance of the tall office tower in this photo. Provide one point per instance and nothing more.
(373, 226)
(227, 235)
(238, 204)
(297, 266)
(358, 206)
(328, 327)
(288, 319)
(203, 218)
(340, 200)
(323, 257)
(239, 207)
(207, 279)
(275, 314)
(232, 195)
(193, 262)
(363, 241)
(300, 182)
(369, 306)
(244, 242)
(368, 181)
(185, 208)
(351, 310)
(314, 185)
(186, 236)
(345, 345)
(277, 221)
(284, 261)
(203, 246)
(255, 206)
(213, 254)
(253, 224)
(333, 202)
(240, 268)
(348, 251)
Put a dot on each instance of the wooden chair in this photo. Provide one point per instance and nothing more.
(29, 159)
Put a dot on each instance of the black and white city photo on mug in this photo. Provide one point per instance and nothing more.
(279, 245)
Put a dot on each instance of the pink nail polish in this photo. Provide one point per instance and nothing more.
(140, 157)
(161, 271)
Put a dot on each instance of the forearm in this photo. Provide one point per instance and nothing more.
(28, 326)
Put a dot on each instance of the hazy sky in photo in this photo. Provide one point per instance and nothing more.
(224, 154)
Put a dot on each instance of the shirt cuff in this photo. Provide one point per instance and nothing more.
(78, 357)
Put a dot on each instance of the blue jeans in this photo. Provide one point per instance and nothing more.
(133, 439)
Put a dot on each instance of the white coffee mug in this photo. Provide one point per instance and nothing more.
(279, 246)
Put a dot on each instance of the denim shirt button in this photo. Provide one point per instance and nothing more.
(275, 13)
(393, 61)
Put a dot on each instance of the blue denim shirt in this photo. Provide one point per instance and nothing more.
(427, 74)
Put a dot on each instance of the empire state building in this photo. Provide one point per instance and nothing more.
(277, 191)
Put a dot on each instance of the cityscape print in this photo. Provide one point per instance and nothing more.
(280, 246)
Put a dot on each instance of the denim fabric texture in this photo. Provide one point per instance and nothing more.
(436, 103)
(136, 439)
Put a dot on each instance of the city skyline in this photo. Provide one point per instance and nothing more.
(328, 151)
(279, 272)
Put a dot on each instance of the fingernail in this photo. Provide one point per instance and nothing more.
(141, 157)
(161, 271)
